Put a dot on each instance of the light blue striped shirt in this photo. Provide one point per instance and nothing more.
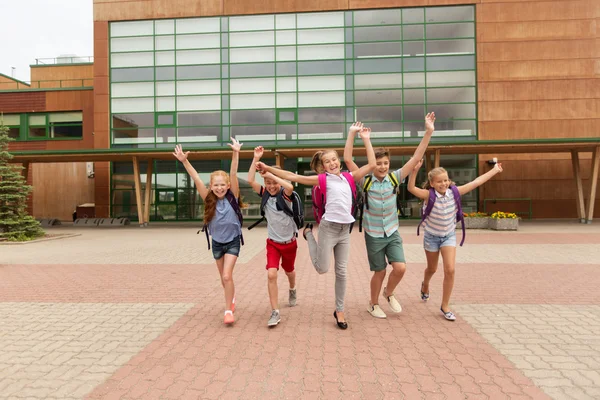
(381, 219)
(442, 220)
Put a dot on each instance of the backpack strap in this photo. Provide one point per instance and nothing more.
(236, 207)
(365, 200)
(459, 213)
(428, 208)
(396, 185)
(264, 194)
(205, 230)
(323, 189)
(352, 184)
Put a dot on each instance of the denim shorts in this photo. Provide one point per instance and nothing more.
(220, 249)
(434, 243)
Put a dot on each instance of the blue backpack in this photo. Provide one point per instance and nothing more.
(459, 214)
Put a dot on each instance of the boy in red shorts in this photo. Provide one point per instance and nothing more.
(281, 231)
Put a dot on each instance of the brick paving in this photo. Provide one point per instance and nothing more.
(137, 314)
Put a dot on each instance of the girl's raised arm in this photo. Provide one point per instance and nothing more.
(181, 156)
(287, 186)
(348, 149)
(365, 134)
(480, 180)
(235, 158)
(420, 193)
(258, 153)
(287, 175)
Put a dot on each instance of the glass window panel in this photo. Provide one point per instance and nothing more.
(415, 113)
(413, 15)
(325, 52)
(286, 69)
(455, 78)
(316, 36)
(392, 129)
(165, 42)
(164, 26)
(254, 117)
(14, 119)
(66, 131)
(454, 111)
(413, 48)
(262, 132)
(260, 85)
(199, 87)
(197, 25)
(448, 31)
(37, 132)
(287, 100)
(285, 37)
(140, 89)
(412, 64)
(198, 41)
(225, 118)
(414, 96)
(165, 135)
(202, 135)
(464, 46)
(374, 50)
(166, 119)
(445, 14)
(132, 120)
(14, 133)
(37, 120)
(413, 32)
(379, 113)
(165, 58)
(286, 84)
(287, 116)
(453, 128)
(131, 60)
(287, 53)
(414, 80)
(285, 21)
(349, 51)
(317, 83)
(252, 23)
(320, 20)
(133, 105)
(131, 44)
(165, 88)
(451, 95)
(384, 81)
(252, 70)
(377, 17)
(377, 33)
(198, 72)
(252, 54)
(189, 57)
(349, 98)
(225, 40)
(348, 17)
(349, 67)
(165, 73)
(348, 35)
(450, 63)
(134, 28)
(321, 131)
(198, 118)
(375, 97)
(224, 56)
(225, 86)
(252, 39)
(133, 136)
(322, 99)
(378, 66)
(312, 115)
(191, 103)
(224, 71)
(224, 24)
(320, 67)
(251, 101)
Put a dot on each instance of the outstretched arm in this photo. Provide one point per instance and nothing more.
(420, 193)
(235, 159)
(350, 164)
(480, 180)
(258, 153)
(420, 151)
(365, 134)
(287, 186)
(287, 175)
(181, 156)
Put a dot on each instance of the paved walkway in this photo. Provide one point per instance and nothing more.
(132, 313)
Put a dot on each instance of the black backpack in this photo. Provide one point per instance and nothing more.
(236, 207)
(364, 199)
(296, 212)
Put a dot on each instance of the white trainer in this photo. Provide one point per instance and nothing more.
(394, 304)
(376, 311)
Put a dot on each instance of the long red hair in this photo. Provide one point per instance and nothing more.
(210, 202)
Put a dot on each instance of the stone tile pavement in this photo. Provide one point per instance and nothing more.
(137, 314)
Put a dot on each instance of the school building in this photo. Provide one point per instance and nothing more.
(516, 80)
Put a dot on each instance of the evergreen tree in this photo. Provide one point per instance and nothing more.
(15, 223)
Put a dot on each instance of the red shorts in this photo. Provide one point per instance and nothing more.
(285, 252)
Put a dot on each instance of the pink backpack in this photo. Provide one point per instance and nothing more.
(319, 195)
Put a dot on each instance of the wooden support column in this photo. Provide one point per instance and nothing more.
(436, 161)
(594, 184)
(148, 192)
(138, 190)
(279, 159)
(578, 186)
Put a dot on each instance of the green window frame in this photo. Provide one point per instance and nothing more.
(34, 122)
(283, 115)
(163, 124)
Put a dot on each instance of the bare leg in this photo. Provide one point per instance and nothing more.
(449, 258)
(432, 265)
(376, 284)
(227, 277)
(292, 279)
(273, 292)
(398, 270)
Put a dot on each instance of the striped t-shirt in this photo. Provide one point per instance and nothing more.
(381, 219)
(442, 220)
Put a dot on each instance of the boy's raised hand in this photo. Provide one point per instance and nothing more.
(498, 167)
(429, 122)
(235, 145)
(356, 127)
(418, 166)
(258, 152)
(260, 167)
(179, 154)
(365, 133)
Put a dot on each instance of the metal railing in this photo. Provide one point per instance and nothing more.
(64, 60)
(47, 84)
(494, 201)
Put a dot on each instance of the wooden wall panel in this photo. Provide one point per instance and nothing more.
(557, 128)
(22, 101)
(150, 9)
(10, 84)
(534, 70)
(534, 11)
(536, 30)
(538, 50)
(238, 7)
(539, 110)
(59, 188)
(357, 4)
(539, 90)
(70, 73)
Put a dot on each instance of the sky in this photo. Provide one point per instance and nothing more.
(31, 29)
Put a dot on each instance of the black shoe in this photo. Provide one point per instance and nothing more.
(308, 227)
(341, 325)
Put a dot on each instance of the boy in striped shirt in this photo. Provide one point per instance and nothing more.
(380, 220)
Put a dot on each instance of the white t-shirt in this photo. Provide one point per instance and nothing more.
(339, 200)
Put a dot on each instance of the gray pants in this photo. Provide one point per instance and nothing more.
(336, 237)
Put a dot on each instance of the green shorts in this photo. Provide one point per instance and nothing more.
(380, 248)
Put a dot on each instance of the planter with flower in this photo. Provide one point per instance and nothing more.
(476, 220)
(502, 221)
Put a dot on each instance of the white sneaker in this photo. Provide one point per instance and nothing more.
(394, 304)
(376, 311)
